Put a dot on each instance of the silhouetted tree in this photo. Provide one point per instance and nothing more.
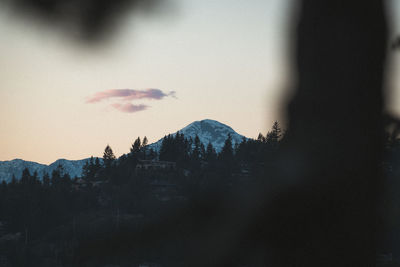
(56, 175)
(176, 148)
(226, 159)
(26, 176)
(91, 169)
(196, 152)
(136, 146)
(13, 180)
(108, 157)
(46, 180)
(274, 135)
(261, 138)
(165, 147)
(211, 154)
(144, 147)
(87, 169)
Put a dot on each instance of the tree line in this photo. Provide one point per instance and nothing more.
(61, 219)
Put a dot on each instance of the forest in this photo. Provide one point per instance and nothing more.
(166, 208)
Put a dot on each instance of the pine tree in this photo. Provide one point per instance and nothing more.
(56, 175)
(144, 147)
(91, 169)
(136, 146)
(227, 150)
(196, 153)
(226, 154)
(66, 181)
(34, 178)
(13, 180)
(261, 138)
(202, 152)
(275, 135)
(145, 141)
(226, 159)
(26, 176)
(108, 156)
(210, 155)
(97, 164)
(165, 147)
(86, 169)
(46, 180)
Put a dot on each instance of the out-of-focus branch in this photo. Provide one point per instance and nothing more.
(90, 20)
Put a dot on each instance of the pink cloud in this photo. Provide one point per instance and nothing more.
(124, 97)
(129, 94)
(128, 107)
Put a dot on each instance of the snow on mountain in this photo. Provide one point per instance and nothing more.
(208, 131)
(16, 166)
(72, 167)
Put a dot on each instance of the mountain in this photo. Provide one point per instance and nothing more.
(208, 131)
(16, 166)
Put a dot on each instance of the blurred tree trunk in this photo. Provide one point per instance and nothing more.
(325, 204)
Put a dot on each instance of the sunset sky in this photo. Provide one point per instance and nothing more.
(225, 60)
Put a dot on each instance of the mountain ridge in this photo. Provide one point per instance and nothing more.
(209, 131)
(16, 166)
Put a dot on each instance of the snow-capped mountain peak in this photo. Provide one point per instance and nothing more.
(208, 131)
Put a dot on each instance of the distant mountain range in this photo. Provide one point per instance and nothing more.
(16, 166)
(208, 131)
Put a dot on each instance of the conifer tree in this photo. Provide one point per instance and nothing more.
(196, 153)
(210, 155)
(56, 175)
(202, 152)
(13, 180)
(97, 164)
(136, 146)
(46, 180)
(26, 176)
(261, 138)
(226, 159)
(145, 141)
(144, 147)
(275, 135)
(226, 154)
(86, 169)
(108, 156)
(165, 147)
(34, 178)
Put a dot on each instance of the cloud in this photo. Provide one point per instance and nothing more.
(129, 94)
(124, 97)
(129, 108)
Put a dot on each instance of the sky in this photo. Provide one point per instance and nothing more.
(225, 60)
